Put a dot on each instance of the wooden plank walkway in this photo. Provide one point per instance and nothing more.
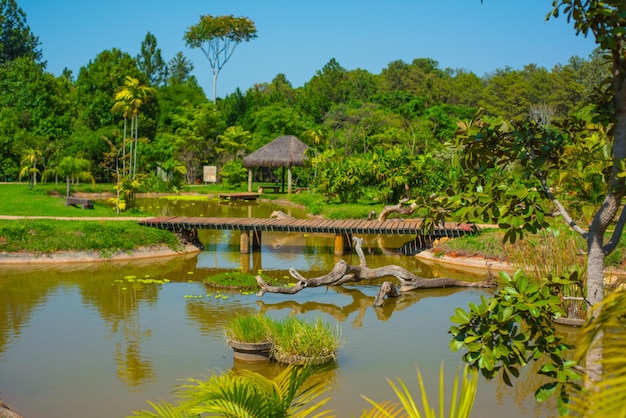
(239, 196)
(354, 226)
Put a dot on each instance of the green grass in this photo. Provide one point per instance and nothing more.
(237, 280)
(249, 328)
(487, 244)
(296, 337)
(106, 237)
(291, 336)
(552, 250)
(18, 199)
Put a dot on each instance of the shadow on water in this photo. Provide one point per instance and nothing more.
(99, 340)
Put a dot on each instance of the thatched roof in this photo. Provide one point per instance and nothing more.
(284, 151)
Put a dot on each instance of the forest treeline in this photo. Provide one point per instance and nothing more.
(376, 132)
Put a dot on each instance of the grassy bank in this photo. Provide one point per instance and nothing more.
(18, 199)
(106, 237)
(48, 235)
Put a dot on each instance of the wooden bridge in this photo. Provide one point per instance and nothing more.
(251, 228)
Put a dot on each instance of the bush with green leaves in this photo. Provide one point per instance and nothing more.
(234, 174)
(513, 328)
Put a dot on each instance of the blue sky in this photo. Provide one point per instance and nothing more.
(298, 38)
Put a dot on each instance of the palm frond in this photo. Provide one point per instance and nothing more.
(161, 410)
(605, 398)
(461, 402)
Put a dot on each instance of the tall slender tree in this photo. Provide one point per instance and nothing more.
(179, 69)
(129, 99)
(16, 38)
(217, 37)
(150, 61)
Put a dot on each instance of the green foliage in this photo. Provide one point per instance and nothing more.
(127, 189)
(234, 174)
(514, 327)
(239, 280)
(16, 38)
(217, 37)
(48, 236)
(487, 244)
(460, 404)
(294, 337)
(296, 392)
(232, 143)
(72, 169)
(30, 160)
(249, 328)
(604, 398)
(150, 61)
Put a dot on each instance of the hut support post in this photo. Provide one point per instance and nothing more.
(289, 180)
(249, 179)
(342, 243)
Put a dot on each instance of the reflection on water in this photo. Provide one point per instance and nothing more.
(99, 340)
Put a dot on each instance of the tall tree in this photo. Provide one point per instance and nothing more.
(541, 155)
(326, 88)
(16, 38)
(129, 98)
(217, 37)
(605, 21)
(179, 69)
(150, 61)
(96, 84)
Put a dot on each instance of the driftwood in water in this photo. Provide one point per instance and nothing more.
(344, 273)
(278, 214)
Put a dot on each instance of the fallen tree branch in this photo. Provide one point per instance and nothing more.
(344, 273)
(399, 208)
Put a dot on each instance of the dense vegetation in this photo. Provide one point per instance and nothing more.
(370, 134)
(512, 146)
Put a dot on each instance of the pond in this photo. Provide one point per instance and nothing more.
(98, 340)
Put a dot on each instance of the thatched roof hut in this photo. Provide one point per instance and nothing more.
(284, 151)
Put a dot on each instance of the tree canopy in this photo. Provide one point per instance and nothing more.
(217, 37)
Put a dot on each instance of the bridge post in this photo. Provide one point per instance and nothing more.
(256, 240)
(244, 242)
(342, 243)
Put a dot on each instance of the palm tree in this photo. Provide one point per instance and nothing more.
(295, 393)
(29, 166)
(460, 406)
(129, 100)
(606, 397)
(75, 168)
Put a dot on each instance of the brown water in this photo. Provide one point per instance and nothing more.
(89, 340)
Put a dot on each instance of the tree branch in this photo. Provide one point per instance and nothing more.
(343, 273)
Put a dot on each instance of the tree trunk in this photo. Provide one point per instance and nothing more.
(344, 273)
(596, 249)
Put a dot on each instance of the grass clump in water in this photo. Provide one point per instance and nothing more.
(250, 328)
(237, 280)
(295, 337)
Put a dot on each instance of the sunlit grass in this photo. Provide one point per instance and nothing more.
(48, 236)
(296, 337)
(250, 328)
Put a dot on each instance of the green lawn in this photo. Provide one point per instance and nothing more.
(44, 200)
(46, 236)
